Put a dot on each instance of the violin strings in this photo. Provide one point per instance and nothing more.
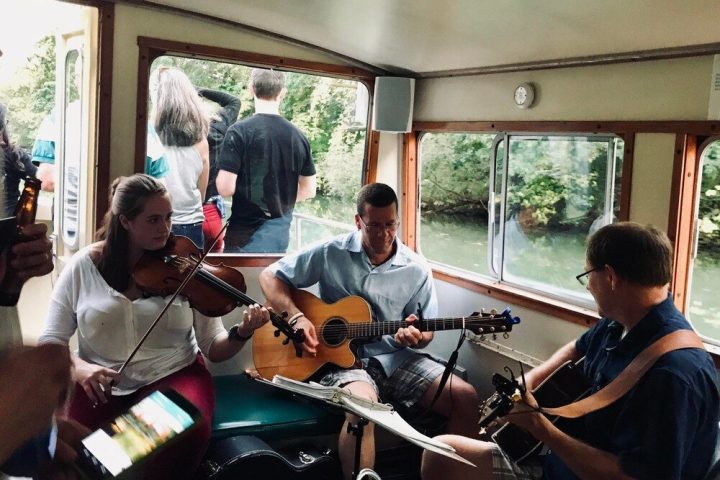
(218, 283)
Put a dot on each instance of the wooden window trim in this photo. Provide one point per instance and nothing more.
(245, 260)
(681, 218)
(522, 298)
(683, 209)
(699, 127)
(106, 30)
(152, 48)
(625, 130)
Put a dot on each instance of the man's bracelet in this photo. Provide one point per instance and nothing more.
(234, 335)
(295, 317)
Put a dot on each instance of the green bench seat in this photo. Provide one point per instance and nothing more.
(247, 407)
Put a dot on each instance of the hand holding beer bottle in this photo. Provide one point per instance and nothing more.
(30, 255)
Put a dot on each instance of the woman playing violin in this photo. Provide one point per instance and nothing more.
(97, 296)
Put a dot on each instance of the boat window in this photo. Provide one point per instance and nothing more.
(703, 307)
(71, 147)
(454, 191)
(517, 208)
(331, 112)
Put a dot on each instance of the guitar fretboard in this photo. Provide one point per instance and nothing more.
(373, 329)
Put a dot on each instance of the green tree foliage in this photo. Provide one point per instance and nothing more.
(455, 171)
(560, 179)
(31, 95)
(321, 107)
(709, 206)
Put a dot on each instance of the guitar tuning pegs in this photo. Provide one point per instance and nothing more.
(494, 336)
(493, 312)
(506, 335)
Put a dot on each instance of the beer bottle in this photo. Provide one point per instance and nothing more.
(26, 207)
(25, 211)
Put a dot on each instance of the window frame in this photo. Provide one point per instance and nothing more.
(684, 206)
(501, 290)
(506, 137)
(151, 48)
(689, 134)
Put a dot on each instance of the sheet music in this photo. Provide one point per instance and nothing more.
(379, 413)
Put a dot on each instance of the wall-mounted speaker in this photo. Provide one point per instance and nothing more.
(393, 104)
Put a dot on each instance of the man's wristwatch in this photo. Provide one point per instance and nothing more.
(234, 336)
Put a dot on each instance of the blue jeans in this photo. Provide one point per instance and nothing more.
(273, 236)
(193, 231)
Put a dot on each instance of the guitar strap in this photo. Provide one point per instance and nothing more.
(448, 370)
(630, 375)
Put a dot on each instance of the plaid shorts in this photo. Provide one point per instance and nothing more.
(404, 388)
(506, 469)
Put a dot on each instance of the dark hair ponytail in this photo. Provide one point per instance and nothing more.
(127, 197)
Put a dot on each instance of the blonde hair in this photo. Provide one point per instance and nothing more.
(178, 113)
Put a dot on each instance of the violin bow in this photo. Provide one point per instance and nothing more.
(172, 298)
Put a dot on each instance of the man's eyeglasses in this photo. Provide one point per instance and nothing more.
(583, 277)
(376, 228)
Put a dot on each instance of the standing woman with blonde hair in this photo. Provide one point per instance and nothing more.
(179, 120)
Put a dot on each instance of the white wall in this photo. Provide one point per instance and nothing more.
(652, 178)
(659, 90)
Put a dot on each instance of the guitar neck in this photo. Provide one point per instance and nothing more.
(374, 329)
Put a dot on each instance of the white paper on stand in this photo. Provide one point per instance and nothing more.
(379, 413)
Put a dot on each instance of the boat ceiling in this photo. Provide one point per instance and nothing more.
(423, 37)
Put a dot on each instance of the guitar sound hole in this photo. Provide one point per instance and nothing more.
(334, 332)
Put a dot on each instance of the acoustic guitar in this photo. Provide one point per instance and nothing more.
(565, 385)
(349, 319)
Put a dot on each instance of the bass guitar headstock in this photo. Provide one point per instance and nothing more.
(482, 323)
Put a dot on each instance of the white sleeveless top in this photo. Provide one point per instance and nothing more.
(185, 168)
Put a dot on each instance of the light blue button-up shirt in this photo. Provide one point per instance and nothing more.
(341, 267)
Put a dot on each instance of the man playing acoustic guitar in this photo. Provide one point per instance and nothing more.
(372, 263)
(663, 425)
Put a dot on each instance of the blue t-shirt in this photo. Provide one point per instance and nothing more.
(666, 427)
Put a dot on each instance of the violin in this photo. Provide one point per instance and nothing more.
(214, 290)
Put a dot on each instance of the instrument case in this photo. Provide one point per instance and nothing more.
(250, 458)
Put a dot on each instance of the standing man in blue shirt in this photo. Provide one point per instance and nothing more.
(372, 263)
(664, 427)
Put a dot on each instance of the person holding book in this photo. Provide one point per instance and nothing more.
(373, 264)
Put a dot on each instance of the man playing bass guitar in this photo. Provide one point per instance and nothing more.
(664, 427)
(372, 263)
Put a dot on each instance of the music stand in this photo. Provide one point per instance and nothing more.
(367, 411)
